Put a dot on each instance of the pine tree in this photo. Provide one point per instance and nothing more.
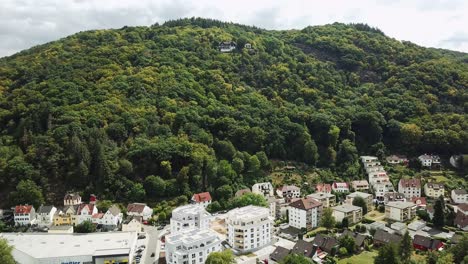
(406, 248)
(439, 215)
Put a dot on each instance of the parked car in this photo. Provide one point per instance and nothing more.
(160, 227)
(152, 255)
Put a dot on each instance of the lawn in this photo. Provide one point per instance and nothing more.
(365, 257)
(375, 215)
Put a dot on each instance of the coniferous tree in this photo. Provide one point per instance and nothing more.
(439, 215)
(406, 247)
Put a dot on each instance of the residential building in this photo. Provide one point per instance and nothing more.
(426, 243)
(325, 243)
(139, 209)
(288, 191)
(303, 248)
(189, 216)
(249, 228)
(241, 192)
(410, 187)
(85, 213)
(227, 46)
(279, 254)
(97, 218)
(93, 199)
(378, 177)
(203, 199)
(419, 201)
(399, 227)
(305, 213)
(429, 160)
(394, 197)
(400, 211)
(340, 187)
(358, 238)
(368, 159)
(459, 196)
(416, 225)
(24, 215)
(72, 199)
(461, 218)
(323, 187)
(366, 196)
(263, 188)
(327, 199)
(362, 185)
(66, 215)
(274, 206)
(382, 237)
(112, 218)
(397, 159)
(45, 215)
(380, 189)
(353, 213)
(434, 190)
(191, 245)
(132, 224)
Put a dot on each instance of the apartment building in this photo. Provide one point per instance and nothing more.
(249, 228)
(360, 185)
(305, 213)
(366, 196)
(24, 215)
(45, 215)
(327, 199)
(340, 187)
(400, 211)
(288, 191)
(189, 216)
(380, 189)
(191, 246)
(410, 187)
(434, 190)
(263, 188)
(353, 213)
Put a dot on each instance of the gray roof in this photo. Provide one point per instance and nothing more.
(45, 209)
(115, 210)
(459, 191)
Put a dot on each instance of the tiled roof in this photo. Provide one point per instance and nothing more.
(279, 254)
(323, 187)
(23, 209)
(426, 242)
(419, 200)
(384, 237)
(303, 248)
(459, 191)
(358, 238)
(201, 197)
(136, 207)
(286, 188)
(325, 243)
(410, 183)
(461, 220)
(45, 209)
(97, 216)
(340, 185)
(463, 207)
(114, 210)
(305, 203)
(82, 206)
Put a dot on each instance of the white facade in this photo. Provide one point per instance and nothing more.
(380, 189)
(288, 191)
(426, 160)
(340, 187)
(459, 196)
(353, 213)
(85, 213)
(72, 199)
(45, 215)
(112, 217)
(191, 246)
(434, 190)
(410, 187)
(140, 209)
(249, 228)
(305, 213)
(24, 215)
(400, 211)
(132, 225)
(366, 196)
(188, 217)
(367, 159)
(264, 188)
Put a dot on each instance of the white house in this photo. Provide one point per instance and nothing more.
(249, 228)
(263, 188)
(400, 211)
(139, 209)
(112, 218)
(340, 187)
(429, 160)
(368, 159)
(288, 191)
(132, 224)
(203, 199)
(380, 189)
(24, 215)
(305, 213)
(72, 199)
(45, 215)
(85, 213)
(189, 216)
(227, 46)
(191, 246)
(434, 190)
(362, 185)
(459, 196)
(396, 159)
(410, 187)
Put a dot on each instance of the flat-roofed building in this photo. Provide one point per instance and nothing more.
(249, 228)
(366, 196)
(189, 216)
(263, 188)
(327, 199)
(400, 211)
(353, 213)
(362, 185)
(191, 245)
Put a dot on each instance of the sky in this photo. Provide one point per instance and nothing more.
(430, 23)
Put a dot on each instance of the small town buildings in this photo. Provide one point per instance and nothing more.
(434, 190)
(241, 192)
(394, 197)
(139, 209)
(368, 159)
(326, 243)
(429, 160)
(93, 199)
(60, 229)
(340, 187)
(459, 196)
(358, 238)
(132, 224)
(378, 177)
(203, 199)
(97, 218)
(382, 237)
(399, 227)
(305, 213)
(397, 159)
(303, 248)
(362, 185)
(66, 216)
(400, 211)
(288, 191)
(380, 189)
(45, 215)
(112, 218)
(227, 46)
(416, 225)
(274, 206)
(189, 216)
(420, 202)
(327, 199)
(191, 245)
(279, 254)
(353, 213)
(249, 228)
(85, 213)
(426, 243)
(323, 187)
(24, 215)
(461, 218)
(366, 196)
(71, 199)
(375, 169)
(410, 187)
(263, 188)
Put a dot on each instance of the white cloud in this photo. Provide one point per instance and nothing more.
(438, 23)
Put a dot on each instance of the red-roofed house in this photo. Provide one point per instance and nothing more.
(85, 213)
(96, 218)
(24, 215)
(340, 187)
(305, 213)
(419, 201)
(323, 187)
(139, 209)
(93, 199)
(203, 199)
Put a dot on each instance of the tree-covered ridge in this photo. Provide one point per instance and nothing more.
(102, 110)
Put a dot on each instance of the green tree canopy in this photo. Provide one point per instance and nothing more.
(27, 192)
(224, 257)
(5, 253)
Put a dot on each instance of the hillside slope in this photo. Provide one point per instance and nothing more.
(100, 111)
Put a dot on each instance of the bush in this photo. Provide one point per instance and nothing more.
(343, 251)
(367, 221)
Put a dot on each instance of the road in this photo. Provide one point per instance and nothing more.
(152, 244)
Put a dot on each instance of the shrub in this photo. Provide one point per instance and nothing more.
(343, 251)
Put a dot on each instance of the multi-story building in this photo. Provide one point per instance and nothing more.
(429, 160)
(189, 216)
(323, 187)
(305, 213)
(400, 211)
(191, 246)
(66, 216)
(396, 159)
(434, 190)
(459, 196)
(263, 188)
(288, 192)
(368, 159)
(249, 228)
(378, 177)
(85, 213)
(394, 197)
(360, 185)
(132, 224)
(24, 215)
(380, 189)
(327, 199)
(139, 209)
(112, 218)
(366, 196)
(410, 187)
(71, 199)
(353, 213)
(45, 215)
(340, 187)
(203, 199)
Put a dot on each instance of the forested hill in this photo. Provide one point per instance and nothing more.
(100, 111)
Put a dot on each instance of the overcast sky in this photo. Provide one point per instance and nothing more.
(431, 23)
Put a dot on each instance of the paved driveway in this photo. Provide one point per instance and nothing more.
(152, 237)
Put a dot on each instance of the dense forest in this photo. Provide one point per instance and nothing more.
(141, 113)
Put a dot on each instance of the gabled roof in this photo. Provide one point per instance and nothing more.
(323, 187)
(461, 220)
(419, 200)
(384, 237)
(23, 209)
(279, 254)
(201, 197)
(136, 207)
(435, 185)
(325, 243)
(286, 188)
(459, 191)
(303, 248)
(114, 210)
(463, 207)
(392, 196)
(129, 218)
(410, 183)
(426, 242)
(72, 196)
(97, 216)
(305, 203)
(340, 185)
(45, 209)
(83, 206)
(361, 182)
(358, 238)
